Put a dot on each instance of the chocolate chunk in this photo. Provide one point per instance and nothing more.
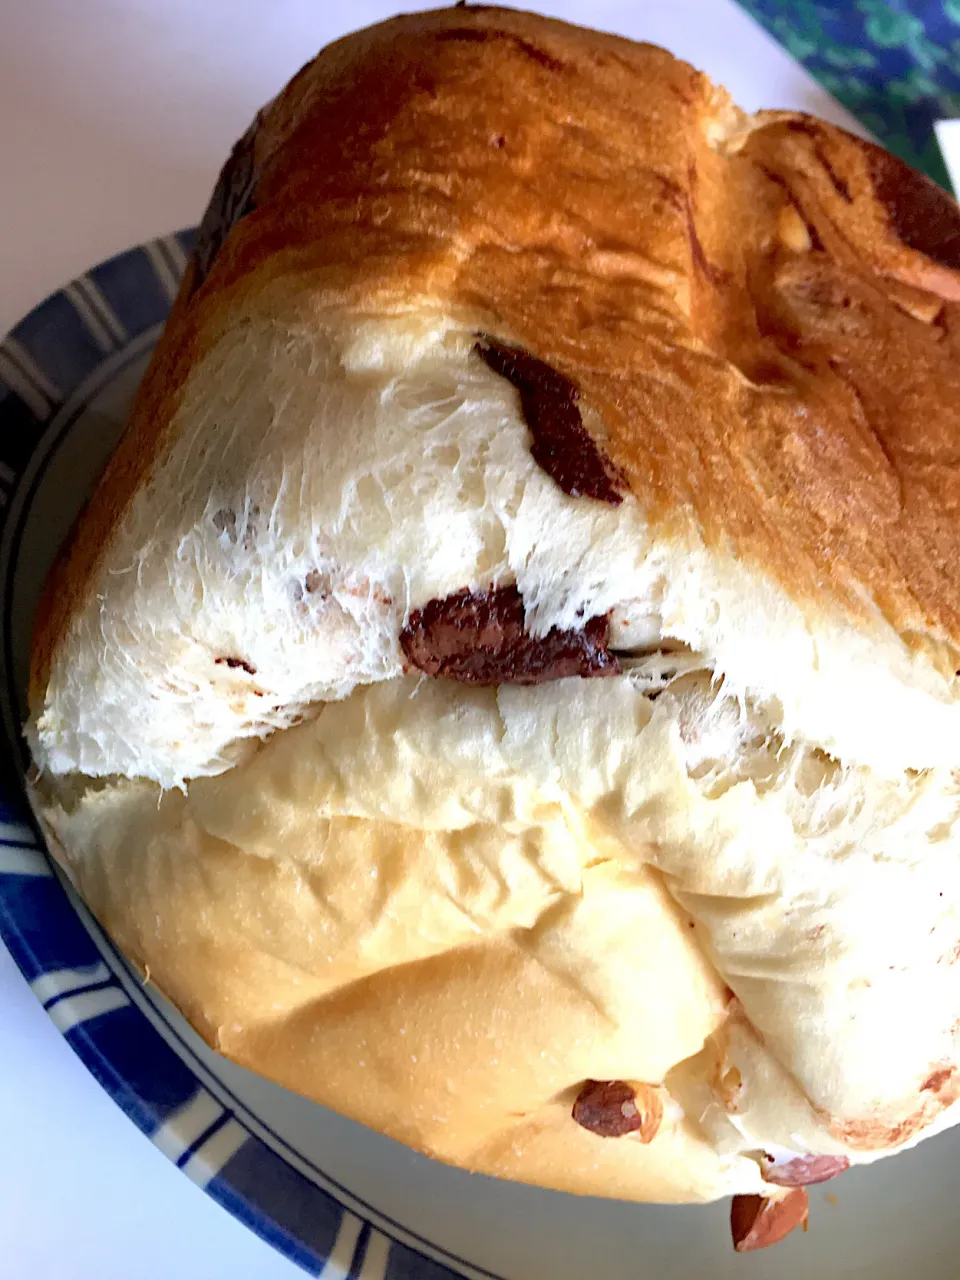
(613, 1108)
(803, 1171)
(237, 664)
(232, 199)
(756, 1221)
(562, 446)
(921, 213)
(480, 638)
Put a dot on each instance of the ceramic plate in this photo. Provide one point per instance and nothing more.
(337, 1199)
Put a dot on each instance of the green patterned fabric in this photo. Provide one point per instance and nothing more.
(895, 64)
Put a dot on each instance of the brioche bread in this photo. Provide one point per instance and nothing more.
(513, 651)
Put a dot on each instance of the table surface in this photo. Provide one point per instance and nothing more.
(116, 115)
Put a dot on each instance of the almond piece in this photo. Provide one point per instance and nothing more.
(802, 1171)
(613, 1108)
(759, 1221)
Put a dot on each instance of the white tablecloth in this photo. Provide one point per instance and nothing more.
(114, 117)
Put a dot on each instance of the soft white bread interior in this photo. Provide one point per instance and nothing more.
(326, 474)
(730, 871)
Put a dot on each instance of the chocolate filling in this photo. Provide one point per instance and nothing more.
(562, 446)
(232, 199)
(237, 664)
(480, 638)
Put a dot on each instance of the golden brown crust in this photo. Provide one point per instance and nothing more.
(473, 1055)
(761, 316)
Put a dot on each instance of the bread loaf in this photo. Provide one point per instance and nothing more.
(505, 684)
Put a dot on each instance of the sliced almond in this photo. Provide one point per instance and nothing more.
(756, 1222)
(802, 1171)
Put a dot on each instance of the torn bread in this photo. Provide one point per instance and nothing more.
(514, 647)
